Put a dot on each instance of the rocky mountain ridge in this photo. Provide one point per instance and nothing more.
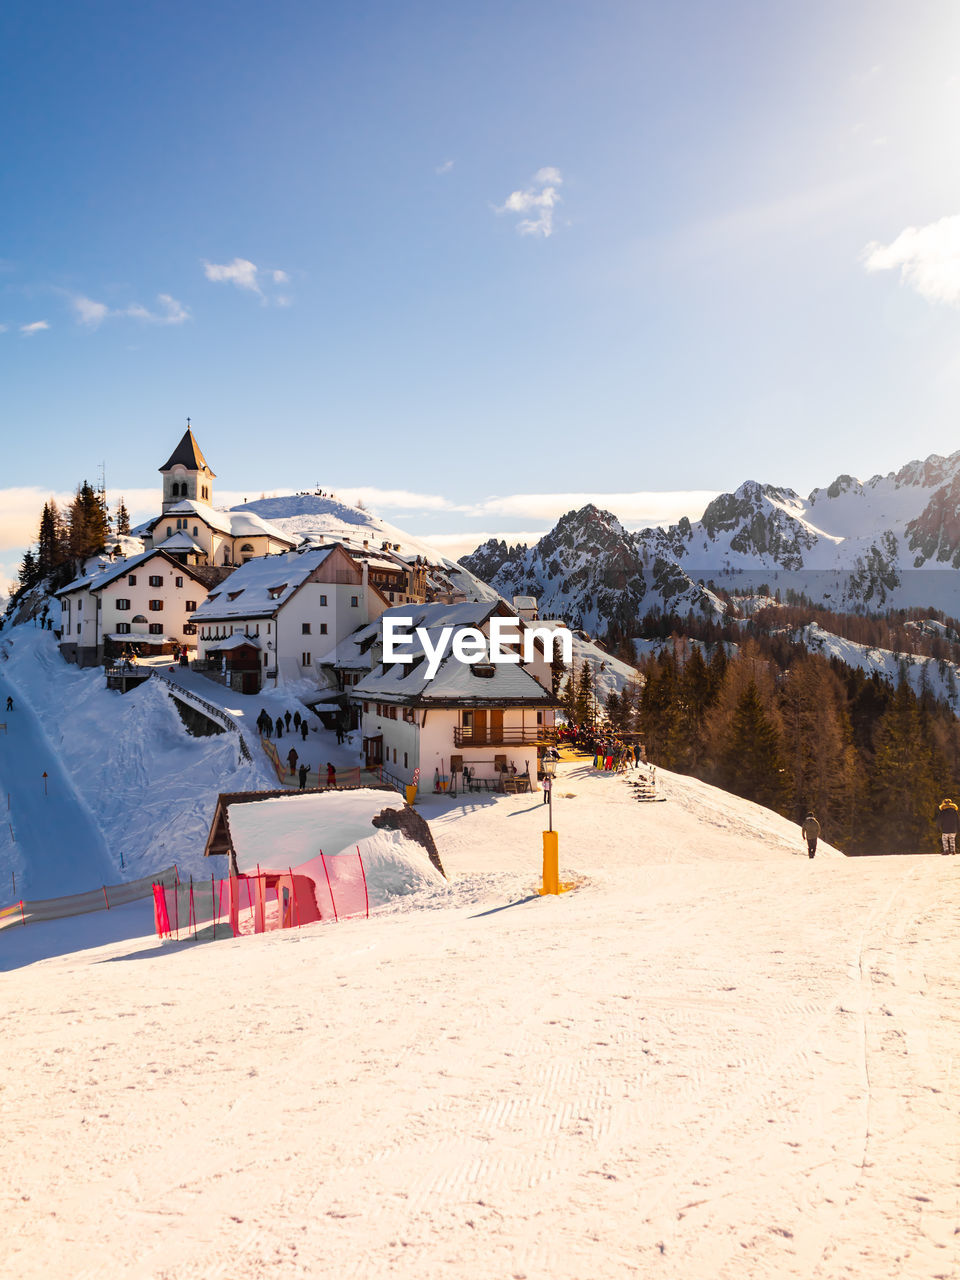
(892, 541)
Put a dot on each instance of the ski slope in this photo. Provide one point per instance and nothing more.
(714, 1059)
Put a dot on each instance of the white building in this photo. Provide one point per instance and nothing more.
(143, 603)
(275, 619)
(490, 717)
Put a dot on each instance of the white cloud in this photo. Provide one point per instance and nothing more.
(540, 199)
(3, 328)
(92, 313)
(240, 272)
(38, 326)
(928, 258)
(444, 167)
(639, 510)
(247, 275)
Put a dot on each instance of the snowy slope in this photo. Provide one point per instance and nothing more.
(714, 1060)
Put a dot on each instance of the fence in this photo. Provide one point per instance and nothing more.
(316, 779)
(217, 712)
(322, 889)
(78, 904)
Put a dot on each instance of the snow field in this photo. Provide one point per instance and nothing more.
(715, 1058)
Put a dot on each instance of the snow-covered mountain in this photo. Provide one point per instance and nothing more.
(891, 541)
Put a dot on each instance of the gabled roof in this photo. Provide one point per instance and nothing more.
(262, 586)
(236, 524)
(103, 577)
(187, 454)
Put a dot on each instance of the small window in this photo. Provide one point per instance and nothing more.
(79, 606)
(140, 618)
(155, 580)
(178, 582)
(155, 606)
(305, 658)
(232, 595)
(354, 602)
(195, 530)
(323, 600)
(323, 628)
(190, 606)
(304, 628)
(123, 604)
(131, 579)
(405, 765)
(169, 531)
(366, 707)
(156, 628)
(123, 628)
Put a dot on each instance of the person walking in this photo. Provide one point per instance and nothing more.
(304, 728)
(296, 719)
(948, 820)
(287, 718)
(810, 828)
(279, 728)
(331, 775)
(303, 771)
(292, 758)
(9, 704)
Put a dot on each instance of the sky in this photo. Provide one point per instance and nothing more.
(473, 261)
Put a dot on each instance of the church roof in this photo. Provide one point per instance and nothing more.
(187, 454)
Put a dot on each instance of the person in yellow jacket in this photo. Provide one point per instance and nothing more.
(811, 832)
(948, 820)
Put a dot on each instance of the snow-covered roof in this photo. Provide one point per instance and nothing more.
(235, 524)
(478, 681)
(180, 541)
(111, 570)
(139, 637)
(236, 641)
(262, 586)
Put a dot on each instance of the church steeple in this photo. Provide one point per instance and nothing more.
(186, 473)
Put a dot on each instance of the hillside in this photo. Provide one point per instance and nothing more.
(714, 1058)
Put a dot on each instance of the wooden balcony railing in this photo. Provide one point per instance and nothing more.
(511, 736)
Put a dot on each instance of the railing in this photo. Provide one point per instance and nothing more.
(217, 712)
(512, 736)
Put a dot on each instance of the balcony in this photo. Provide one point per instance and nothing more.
(512, 736)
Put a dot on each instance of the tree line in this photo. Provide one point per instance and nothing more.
(68, 536)
(798, 732)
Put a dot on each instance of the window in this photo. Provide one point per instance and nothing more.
(405, 765)
(123, 628)
(140, 618)
(354, 602)
(366, 707)
(169, 531)
(123, 604)
(79, 606)
(323, 600)
(394, 755)
(190, 606)
(323, 628)
(409, 715)
(195, 531)
(304, 628)
(178, 582)
(305, 658)
(156, 628)
(189, 628)
(205, 492)
(131, 579)
(155, 580)
(155, 606)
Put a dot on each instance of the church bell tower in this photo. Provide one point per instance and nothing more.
(186, 474)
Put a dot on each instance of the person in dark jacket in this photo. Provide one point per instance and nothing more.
(304, 728)
(948, 820)
(296, 719)
(279, 727)
(287, 718)
(303, 771)
(292, 759)
(811, 833)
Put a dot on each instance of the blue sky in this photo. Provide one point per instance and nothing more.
(488, 256)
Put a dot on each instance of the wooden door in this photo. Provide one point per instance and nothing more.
(479, 728)
(496, 725)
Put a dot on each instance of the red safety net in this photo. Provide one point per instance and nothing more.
(326, 888)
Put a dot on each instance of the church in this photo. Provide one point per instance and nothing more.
(190, 531)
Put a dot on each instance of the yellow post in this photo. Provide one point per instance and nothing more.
(551, 862)
(411, 795)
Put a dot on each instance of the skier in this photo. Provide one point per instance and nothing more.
(811, 831)
(948, 820)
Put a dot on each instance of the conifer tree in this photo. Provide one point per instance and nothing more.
(123, 519)
(89, 527)
(750, 760)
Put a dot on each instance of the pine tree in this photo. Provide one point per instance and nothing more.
(89, 527)
(903, 781)
(750, 761)
(123, 519)
(584, 711)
